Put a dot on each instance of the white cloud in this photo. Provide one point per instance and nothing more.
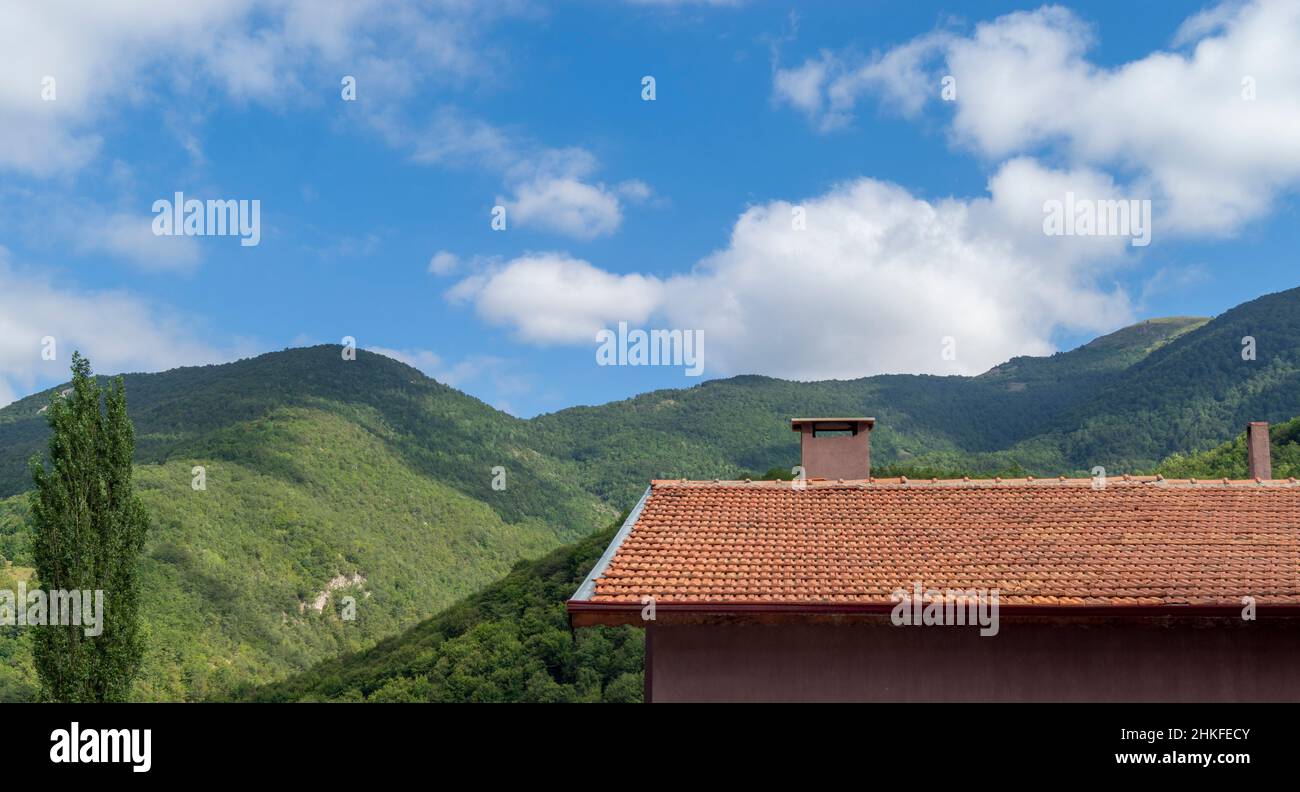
(443, 263)
(273, 51)
(827, 88)
(549, 188)
(566, 206)
(551, 298)
(131, 238)
(1175, 121)
(60, 222)
(105, 55)
(873, 284)
(449, 137)
(803, 88)
(551, 192)
(117, 331)
(92, 51)
(635, 190)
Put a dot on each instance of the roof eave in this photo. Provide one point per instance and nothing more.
(585, 613)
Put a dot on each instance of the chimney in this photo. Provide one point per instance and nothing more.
(835, 448)
(1259, 461)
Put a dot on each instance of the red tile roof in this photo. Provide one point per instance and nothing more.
(1052, 542)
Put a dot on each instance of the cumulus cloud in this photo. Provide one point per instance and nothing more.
(1178, 122)
(552, 298)
(804, 87)
(567, 206)
(827, 88)
(253, 50)
(116, 330)
(549, 188)
(874, 283)
(272, 51)
(551, 191)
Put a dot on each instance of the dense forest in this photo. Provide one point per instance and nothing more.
(521, 621)
(328, 481)
(510, 642)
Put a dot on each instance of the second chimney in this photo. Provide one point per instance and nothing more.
(835, 448)
(1259, 460)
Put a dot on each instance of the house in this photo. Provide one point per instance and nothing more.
(843, 587)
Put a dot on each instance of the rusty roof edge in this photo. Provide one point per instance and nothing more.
(588, 586)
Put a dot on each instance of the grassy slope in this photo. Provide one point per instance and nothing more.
(228, 571)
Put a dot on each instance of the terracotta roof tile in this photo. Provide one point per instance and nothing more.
(1138, 541)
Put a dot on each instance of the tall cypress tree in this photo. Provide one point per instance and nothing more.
(89, 529)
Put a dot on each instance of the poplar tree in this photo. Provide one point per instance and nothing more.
(89, 528)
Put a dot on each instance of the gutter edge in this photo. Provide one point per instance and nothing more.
(574, 606)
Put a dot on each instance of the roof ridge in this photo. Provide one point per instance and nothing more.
(997, 481)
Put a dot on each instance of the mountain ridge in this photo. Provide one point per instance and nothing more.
(320, 470)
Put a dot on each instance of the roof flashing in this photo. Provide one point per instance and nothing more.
(588, 586)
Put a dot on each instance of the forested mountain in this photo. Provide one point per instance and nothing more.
(328, 478)
(510, 642)
(452, 656)
(432, 429)
(322, 479)
(1229, 459)
(1124, 401)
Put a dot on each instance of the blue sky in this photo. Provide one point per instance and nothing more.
(923, 215)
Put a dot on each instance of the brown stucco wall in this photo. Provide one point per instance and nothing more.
(845, 457)
(1194, 660)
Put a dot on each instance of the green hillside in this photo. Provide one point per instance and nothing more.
(510, 642)
(1191, 394)
(322, 470)
(433, 661)
(726, 428)
(1229, 459)
(1125, 401)
(432, 429)
(232, 574)
(362, 475)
